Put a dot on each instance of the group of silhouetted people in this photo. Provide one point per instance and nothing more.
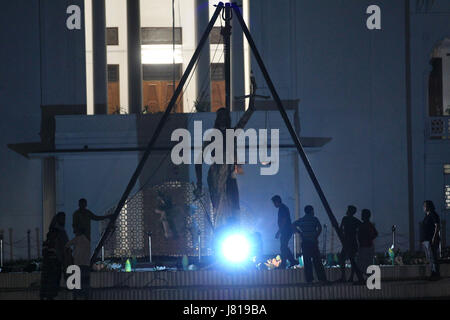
(357, 240)
(58, 252)
(310, 229)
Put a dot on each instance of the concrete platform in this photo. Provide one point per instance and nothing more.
(397, 282)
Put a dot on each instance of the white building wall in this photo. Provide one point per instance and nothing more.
(116, 16)
(89, 57)
(154, 13)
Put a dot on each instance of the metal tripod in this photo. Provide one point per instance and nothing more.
(237, 14)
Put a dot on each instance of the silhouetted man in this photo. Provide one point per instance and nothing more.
(349, 228)
(429, 236)
(81, 258)
(310, 228)
(82, 218)
(284, 232)
(366, 235)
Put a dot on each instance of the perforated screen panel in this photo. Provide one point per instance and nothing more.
(175, 223)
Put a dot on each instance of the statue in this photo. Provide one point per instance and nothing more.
(222, 184)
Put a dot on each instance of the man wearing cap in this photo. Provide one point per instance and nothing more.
(310, 228)
(284, 232)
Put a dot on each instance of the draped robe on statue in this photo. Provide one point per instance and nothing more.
(221, 178)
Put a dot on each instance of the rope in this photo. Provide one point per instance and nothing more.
(203, 87)
(168, 152)
(173, 44)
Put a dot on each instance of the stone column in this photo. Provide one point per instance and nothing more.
(99, 57)
(237, 62)
(134, 57)
(203, 68)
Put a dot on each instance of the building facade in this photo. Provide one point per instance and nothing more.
(381, 96)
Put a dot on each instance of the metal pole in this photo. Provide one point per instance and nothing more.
(199, 247)
(29, 244)
(156, 133)
(38, 249)
(409, 125)
(394, 229)
(11, 255)
(150, 247)
(226, 33)
(332, 242)
(293, 134)
(324, 250)
(295, 245)
(103, 253)
(420, 228)
(1, 249)
(444, 233)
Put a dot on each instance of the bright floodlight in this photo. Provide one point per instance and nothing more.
(235, 248)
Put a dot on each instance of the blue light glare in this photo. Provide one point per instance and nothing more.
(235, 248)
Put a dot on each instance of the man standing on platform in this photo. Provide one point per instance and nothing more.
(349, 228)
(429, 236)
(366, 235)
(81, 258)
(284, 232)
(82, 218)
(310, 228)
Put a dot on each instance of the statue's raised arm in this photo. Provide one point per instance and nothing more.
(251, 106)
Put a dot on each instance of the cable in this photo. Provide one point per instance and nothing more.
(181, 96)
(173, 44)
(14, 242)
(168, 152)
(203, 86)
(118, 285)
(189, 117)
(155, 278)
